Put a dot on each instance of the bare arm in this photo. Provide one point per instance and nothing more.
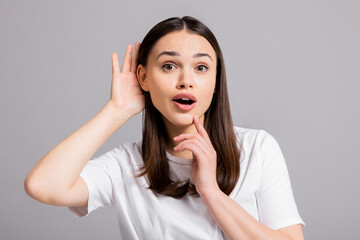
(236, 223)
(56, 172)
(52, 179)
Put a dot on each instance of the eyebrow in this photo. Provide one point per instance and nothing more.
(172, 53)
(201, 55)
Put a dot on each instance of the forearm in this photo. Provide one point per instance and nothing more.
(60, 167)
(235, 222)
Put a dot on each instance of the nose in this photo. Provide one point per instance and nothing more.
(185, 80)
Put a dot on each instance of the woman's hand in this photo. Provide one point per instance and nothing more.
(204, 163)
(126, 94)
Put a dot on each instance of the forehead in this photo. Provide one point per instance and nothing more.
(186, 43)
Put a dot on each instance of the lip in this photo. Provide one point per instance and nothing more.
(183, 107)
(185, 95)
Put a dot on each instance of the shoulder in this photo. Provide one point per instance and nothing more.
(251, 136)
(126, 155)
(255, 140)
(124, 150)
(130, 149)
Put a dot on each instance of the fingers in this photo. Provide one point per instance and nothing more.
(185, 136)
(201, 130)
(192, 146)
(135, 57)
(198, 126)
(127, 59)
(115, 63)
(191, 137)
(201, 133)
(130, 60)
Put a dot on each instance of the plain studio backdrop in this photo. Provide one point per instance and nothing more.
(292, 67)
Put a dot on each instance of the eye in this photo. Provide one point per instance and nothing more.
(168, 67)
(202, 68)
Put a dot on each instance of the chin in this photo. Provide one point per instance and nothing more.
(181, 120)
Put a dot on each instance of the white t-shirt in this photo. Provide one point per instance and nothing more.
(263, 190)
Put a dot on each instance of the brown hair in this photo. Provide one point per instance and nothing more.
(218, 122)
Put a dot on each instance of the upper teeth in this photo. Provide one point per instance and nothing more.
(185, 99)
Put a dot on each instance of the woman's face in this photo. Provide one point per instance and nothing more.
(180, 62)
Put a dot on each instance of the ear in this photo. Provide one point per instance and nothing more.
(141, 76)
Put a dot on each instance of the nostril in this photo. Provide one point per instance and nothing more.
(185, 86)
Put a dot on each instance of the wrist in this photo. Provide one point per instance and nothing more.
(210, 193)
(117, 112)
(115, 117)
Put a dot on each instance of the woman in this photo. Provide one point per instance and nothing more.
(193, 175)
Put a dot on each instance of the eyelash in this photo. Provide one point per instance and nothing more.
(165, 65)
(171, 64)
(202, 65)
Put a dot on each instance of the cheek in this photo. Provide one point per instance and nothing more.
(158, 92)
(156, 95)
(207, 94)
(206, 104)
(208, 86)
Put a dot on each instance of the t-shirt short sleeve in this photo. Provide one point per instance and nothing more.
(101, 175)
(275, 200)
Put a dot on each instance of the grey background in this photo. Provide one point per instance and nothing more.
(293, 70)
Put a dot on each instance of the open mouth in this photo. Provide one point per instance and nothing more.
(184, 101)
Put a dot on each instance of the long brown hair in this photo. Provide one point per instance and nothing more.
(218, 122)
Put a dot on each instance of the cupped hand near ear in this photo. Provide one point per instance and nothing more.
(126, 94)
